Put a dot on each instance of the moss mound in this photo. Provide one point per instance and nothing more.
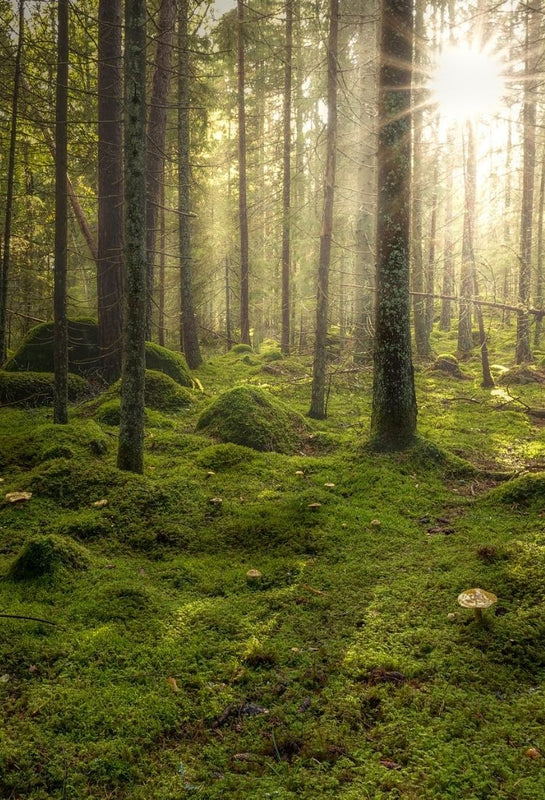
(33, 389)
(45, 555)
(522, 374)
(523, 492)
(237, 349)
(36, 351)
(172, 364)
(162, 393)
(251, 417)
(48, 442)
(74, 482)
(448, 364)
(224, 456)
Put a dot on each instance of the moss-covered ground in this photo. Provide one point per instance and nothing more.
(347, 670)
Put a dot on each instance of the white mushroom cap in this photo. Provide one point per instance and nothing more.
(476, 598)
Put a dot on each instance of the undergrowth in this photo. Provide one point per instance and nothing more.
(149, 664)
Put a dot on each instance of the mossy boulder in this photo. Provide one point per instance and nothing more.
(35, 354)
(45, 555)
(168, 361)
(33, 389)
(448, 365)
(522, 374)
(239, 349)
(162, 393)
(251, 417)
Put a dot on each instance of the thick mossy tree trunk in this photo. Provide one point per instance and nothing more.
(189, 339)
(393, 418)
(6, 253)
(130, 454)
(317, 403)
(110, 188)
(60, 408)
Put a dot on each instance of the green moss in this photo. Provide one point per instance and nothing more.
(237, 349)
(75, 482)
(32, 389)
(224, 456)
(45, 555)
(253, 418)
(35, 353)
(171, 363)
(46, 442)
(523, 492)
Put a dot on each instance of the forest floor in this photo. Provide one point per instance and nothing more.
(347, 669)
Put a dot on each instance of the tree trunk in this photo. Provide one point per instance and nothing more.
(110, 188)
(317, 403)
(423, 348)
(156, 130)
(448, 244)
(162, 264)
(286, 185)
(188, 331)
(242, 201)
(539, 252)
(130, 454)
(60, 409)
(465, 336)
(533, 18)
(393, 418)
(6, 255)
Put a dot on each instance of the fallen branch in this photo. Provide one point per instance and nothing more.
(32, 619)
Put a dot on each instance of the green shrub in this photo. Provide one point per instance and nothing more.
(172, 364)
(44, 555)
(35, 353)
(32, 389)
(253, 418)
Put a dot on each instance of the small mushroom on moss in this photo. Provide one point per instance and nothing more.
(299, 472)
(477, 599)
(17, 497)
(253, 577)
(216, 501)
(314, 506)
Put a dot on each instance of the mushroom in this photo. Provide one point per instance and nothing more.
(477, 599)
(253, 577)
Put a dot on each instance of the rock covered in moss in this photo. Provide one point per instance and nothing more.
(34, 389)
(35, 353)
(252, 417)
(168, 361)
(448, 364)
(162, 393)
(44, 555)
(522, 374)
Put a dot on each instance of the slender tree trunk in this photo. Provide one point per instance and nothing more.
(465, 336)
(539, 252)
(110, 188)
(430, 272)
(533, 17)
(423, 348)
(130, 454)
(189, 339)
(228, 331)
(6, 254)
(286, 185)
(364, 272)
(156, 130)
(317, 404)
(162, 263)
(242, 190)
(393, 417)
(60, 409)
(448, 246)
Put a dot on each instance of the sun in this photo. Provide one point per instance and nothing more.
(467, 83)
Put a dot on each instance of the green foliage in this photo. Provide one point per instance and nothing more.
(172, 364)
(32, 389)
(45, 555)
(251, 417)
(35, 354)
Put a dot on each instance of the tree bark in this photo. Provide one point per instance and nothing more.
(393, 417)
(189, 339)
(110, 188)
(60, 408)
(6, 254)
(465, 336)
(317, 403)
(130, 454)
(286, 185)
(523, 352)
(242, 189)
(156, 130)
